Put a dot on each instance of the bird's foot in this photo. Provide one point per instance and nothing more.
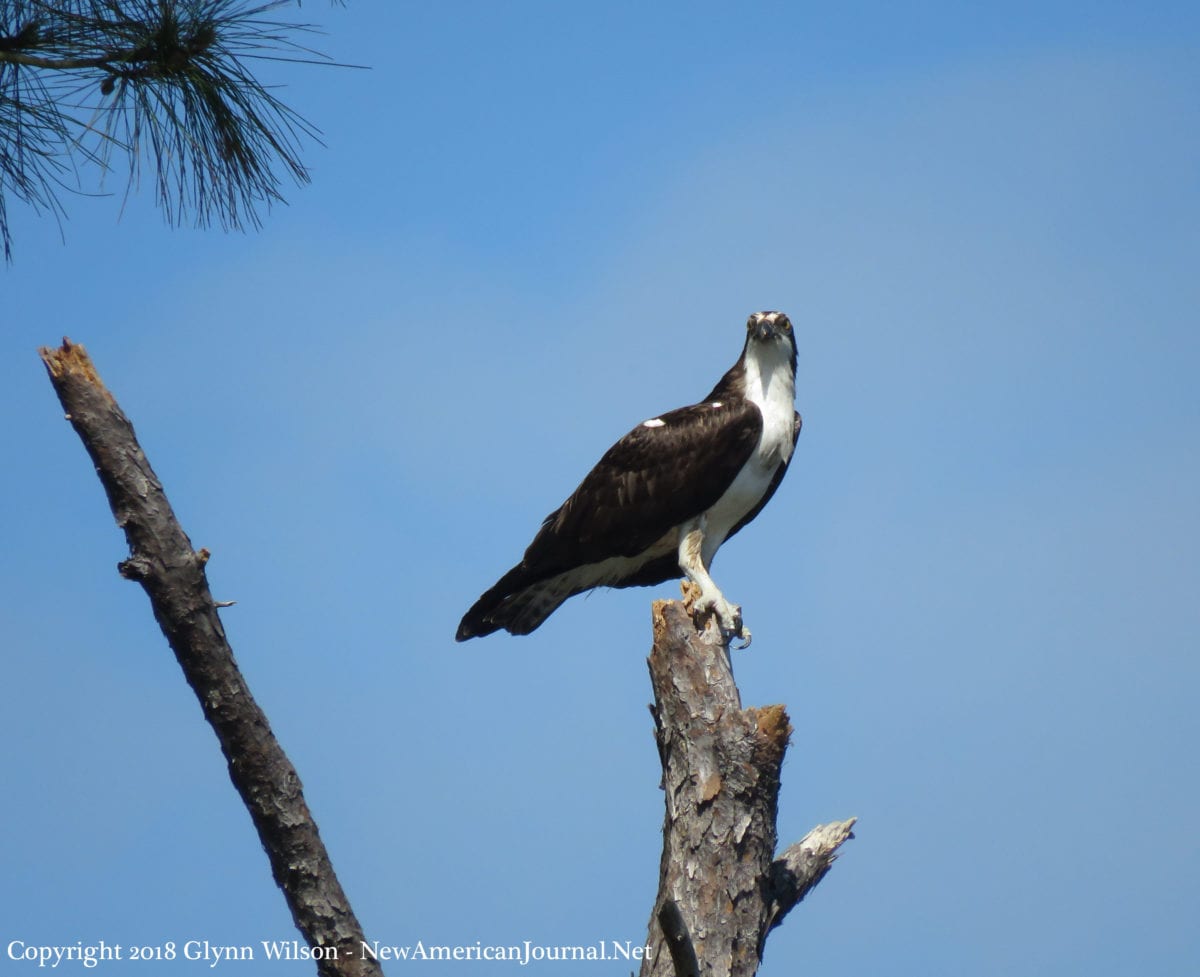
(729, 617)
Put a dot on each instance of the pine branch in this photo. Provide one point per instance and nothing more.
(165, 83)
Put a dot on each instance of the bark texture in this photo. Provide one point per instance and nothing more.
(162, 560)
(721, 887)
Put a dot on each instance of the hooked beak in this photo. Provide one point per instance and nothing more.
(765, 329)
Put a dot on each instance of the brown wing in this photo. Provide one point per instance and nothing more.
(647, 483)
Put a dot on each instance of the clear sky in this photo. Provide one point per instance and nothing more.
(531, 227)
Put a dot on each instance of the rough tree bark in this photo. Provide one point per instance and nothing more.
(721, 887)
(162, 560)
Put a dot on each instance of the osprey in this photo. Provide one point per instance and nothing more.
(665, 497)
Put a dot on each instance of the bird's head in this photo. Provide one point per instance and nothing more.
(771, 333)
(765, 326)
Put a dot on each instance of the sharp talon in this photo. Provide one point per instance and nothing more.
(730, 619)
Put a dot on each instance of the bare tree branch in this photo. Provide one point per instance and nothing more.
(803, 865)
(721, 888)
(162, 560)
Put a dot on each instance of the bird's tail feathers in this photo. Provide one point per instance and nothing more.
(515, 603)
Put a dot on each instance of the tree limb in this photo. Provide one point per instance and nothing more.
(162, 560)
(721, 889)
(802, 866)
(53, 64)
(160, 82)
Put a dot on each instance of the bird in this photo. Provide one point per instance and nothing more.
(663, 499)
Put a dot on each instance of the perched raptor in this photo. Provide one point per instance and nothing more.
(665, 497)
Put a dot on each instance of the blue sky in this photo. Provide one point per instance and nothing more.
(531, 227)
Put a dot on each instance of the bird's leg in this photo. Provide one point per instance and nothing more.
(691, 562)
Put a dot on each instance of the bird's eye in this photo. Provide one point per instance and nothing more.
(750, 323)
(786, 324)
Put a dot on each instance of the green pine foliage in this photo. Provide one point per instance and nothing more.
(164, 85)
